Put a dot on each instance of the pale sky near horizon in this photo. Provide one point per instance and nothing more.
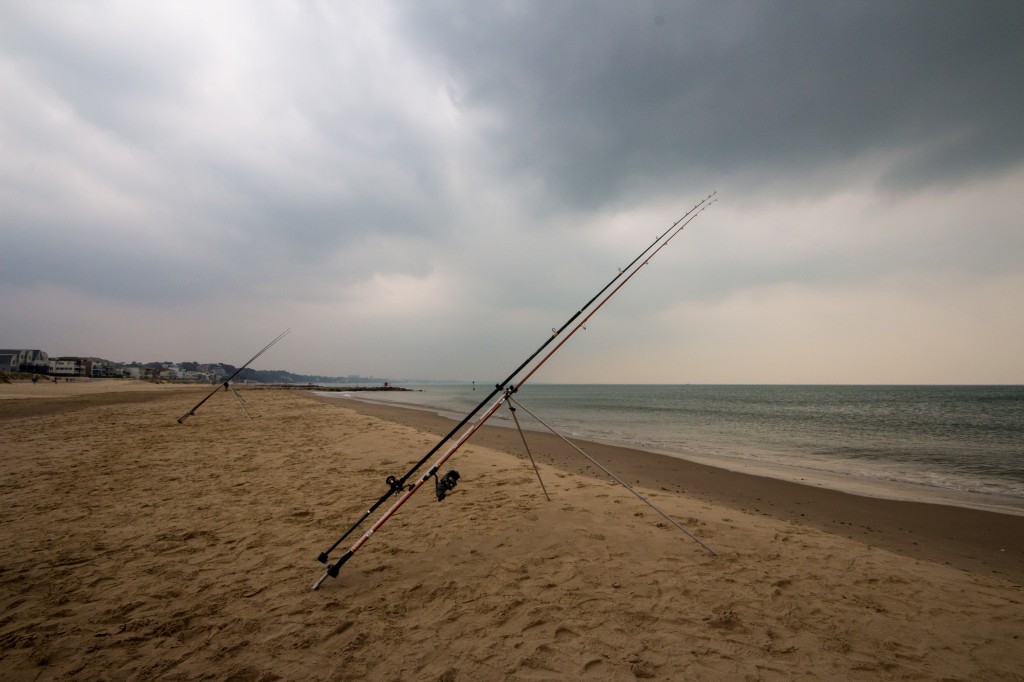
(424, 190)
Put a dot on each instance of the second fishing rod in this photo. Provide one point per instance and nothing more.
(226, 384)
(397, 485)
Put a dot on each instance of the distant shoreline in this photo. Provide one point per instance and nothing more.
(326, 388)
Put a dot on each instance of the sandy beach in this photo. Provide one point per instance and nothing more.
(139, 548)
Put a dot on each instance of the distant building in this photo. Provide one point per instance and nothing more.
(66, 367)
(24, 360)
(98, 367)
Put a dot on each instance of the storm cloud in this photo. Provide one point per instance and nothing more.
(420, 190)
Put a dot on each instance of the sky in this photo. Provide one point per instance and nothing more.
(424, 190)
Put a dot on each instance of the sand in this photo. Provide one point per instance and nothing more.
(138, 548)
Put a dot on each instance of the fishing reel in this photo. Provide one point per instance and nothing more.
(396, 485)
(443, 485)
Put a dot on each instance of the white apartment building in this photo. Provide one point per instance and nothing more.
(65, 367)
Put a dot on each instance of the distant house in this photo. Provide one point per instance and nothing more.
(7, 361)
(24, 360)
(66, 367)
(98, 367)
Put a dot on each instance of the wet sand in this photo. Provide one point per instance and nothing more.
(138, 548)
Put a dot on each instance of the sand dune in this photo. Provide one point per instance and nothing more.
(138, 548)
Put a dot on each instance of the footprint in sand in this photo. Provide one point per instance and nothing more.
(564, 635)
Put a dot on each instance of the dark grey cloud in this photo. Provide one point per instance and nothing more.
(442, 183)
(605, 98)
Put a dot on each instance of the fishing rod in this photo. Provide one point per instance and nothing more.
(227, 382)
(396, 485)
(447, 482)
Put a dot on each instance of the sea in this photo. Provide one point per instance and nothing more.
(958, 445)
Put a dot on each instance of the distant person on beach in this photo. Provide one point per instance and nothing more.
(35, 379)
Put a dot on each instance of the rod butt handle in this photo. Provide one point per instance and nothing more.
(332, 569)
